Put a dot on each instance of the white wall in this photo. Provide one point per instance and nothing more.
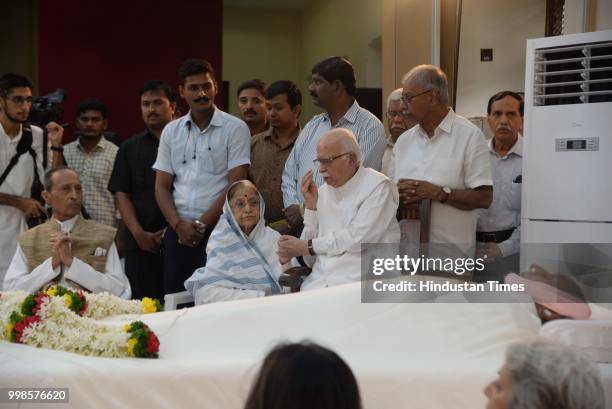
(504, 26)
(604, 15)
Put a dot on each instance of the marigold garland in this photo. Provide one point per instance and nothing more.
(60, 318)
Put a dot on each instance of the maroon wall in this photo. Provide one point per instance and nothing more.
(108, 49)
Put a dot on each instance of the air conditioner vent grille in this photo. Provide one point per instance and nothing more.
(578, 74)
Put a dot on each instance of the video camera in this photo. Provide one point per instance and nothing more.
(47, 108)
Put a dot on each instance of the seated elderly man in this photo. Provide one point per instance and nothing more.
(242, 260)
(355, 205)
(543, 375)
(67, 250)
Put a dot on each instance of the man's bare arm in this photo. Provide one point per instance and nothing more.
(163, 196)
(30, 207)
(470, 199)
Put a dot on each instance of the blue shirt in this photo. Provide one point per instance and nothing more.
(200, 160)
(370, 135)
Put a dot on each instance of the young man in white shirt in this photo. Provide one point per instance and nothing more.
(16, 203)
(200, 155)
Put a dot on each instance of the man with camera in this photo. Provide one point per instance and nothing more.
(21, 167)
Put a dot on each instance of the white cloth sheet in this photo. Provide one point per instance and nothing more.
(404, 355)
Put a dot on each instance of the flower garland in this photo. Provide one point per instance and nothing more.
(102, 305)
(60, 318)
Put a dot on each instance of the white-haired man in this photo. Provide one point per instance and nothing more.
(444, 159)
(355, 205)
(399, 121)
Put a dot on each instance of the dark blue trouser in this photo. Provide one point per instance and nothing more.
(180, 261)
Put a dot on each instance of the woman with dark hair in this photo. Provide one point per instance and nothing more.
(304, 376)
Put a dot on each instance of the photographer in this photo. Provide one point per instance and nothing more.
(21, 152)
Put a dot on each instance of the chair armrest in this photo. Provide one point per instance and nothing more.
(293, 278)
(174, 299)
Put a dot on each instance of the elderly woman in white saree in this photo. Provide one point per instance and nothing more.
(242, 260)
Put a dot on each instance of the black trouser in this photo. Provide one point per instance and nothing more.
(181, 261)
(145, 272)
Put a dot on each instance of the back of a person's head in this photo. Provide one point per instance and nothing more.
(304, 376)
(546, 375)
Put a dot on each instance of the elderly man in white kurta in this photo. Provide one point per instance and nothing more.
(355, 205)
(445, 159)
(67, 250)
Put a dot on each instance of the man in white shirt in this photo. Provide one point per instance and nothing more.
(16, 203)
(67, 250)
(355, 205)
(200, 155)
(444, 159)
(498, 233)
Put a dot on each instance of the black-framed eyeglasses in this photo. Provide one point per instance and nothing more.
(408, 99)
(404, 114)
(328, 161)
(19, 100)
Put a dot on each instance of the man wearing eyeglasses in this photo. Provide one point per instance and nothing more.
(332, 88)
(355, 205)
(445, 159)
(22, 145)
(398, 121)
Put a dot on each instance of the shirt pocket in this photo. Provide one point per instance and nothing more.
(215, 159)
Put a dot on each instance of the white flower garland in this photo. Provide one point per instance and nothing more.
(46, 320)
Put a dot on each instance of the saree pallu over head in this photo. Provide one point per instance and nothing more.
(236, 260)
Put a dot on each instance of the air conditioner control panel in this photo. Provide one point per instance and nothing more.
(576, 144)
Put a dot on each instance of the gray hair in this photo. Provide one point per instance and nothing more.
(48, 177)
(548, 375)
(395, 95)
(430, 77)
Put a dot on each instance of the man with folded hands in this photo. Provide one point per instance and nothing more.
(67, 250)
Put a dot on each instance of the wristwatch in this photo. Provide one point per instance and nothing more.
(201, 226)
(447, 191)
(311, 249)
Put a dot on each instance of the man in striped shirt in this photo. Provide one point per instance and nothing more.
(332, 87)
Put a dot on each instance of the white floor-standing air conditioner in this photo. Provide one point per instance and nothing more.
(567, 162)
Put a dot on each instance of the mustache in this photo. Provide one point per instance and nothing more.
(250, 111)
(153, 116)
(504, 128)
(202, 99)
(314, 95)
(324, 174)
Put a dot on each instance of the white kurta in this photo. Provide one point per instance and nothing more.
(18, 183)
(363, 210)
(113, 280)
